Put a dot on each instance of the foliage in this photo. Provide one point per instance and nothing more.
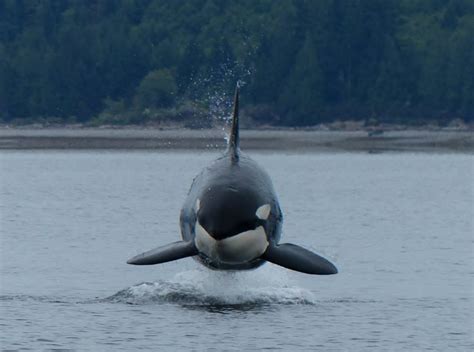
(157, 89)
(304, 61)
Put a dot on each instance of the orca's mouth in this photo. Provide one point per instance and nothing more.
(238, 249)
(223, 230)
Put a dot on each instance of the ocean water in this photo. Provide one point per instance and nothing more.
(399, 227)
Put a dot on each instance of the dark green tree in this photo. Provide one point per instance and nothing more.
(157, 90)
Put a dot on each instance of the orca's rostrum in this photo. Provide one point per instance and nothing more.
(231, 219)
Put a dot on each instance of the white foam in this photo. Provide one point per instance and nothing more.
(204, 287)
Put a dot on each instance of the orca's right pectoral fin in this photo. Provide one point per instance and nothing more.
(167, 253)
(299, 259)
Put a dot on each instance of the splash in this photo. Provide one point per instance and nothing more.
(220, 107)
(216, 90)
(210, 288)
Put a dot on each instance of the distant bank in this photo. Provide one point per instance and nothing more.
(281, 140)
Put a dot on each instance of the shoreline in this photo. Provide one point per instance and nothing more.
(457, 141)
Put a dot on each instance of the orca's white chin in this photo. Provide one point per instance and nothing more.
(239, 249)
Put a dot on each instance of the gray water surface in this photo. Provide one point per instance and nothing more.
(398, 226)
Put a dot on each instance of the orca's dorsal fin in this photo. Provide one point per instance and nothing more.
(233, 146)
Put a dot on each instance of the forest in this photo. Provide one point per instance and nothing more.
(300, 62)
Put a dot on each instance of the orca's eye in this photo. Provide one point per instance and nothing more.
(263, 212)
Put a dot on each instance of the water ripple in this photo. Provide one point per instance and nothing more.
(43, 299)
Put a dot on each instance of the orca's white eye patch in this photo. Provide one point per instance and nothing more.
(263, 212)
(197, 206)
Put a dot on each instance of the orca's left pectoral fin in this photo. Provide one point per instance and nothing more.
(299, 259)
(167, 253)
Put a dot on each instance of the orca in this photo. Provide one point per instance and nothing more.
(231, 219)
